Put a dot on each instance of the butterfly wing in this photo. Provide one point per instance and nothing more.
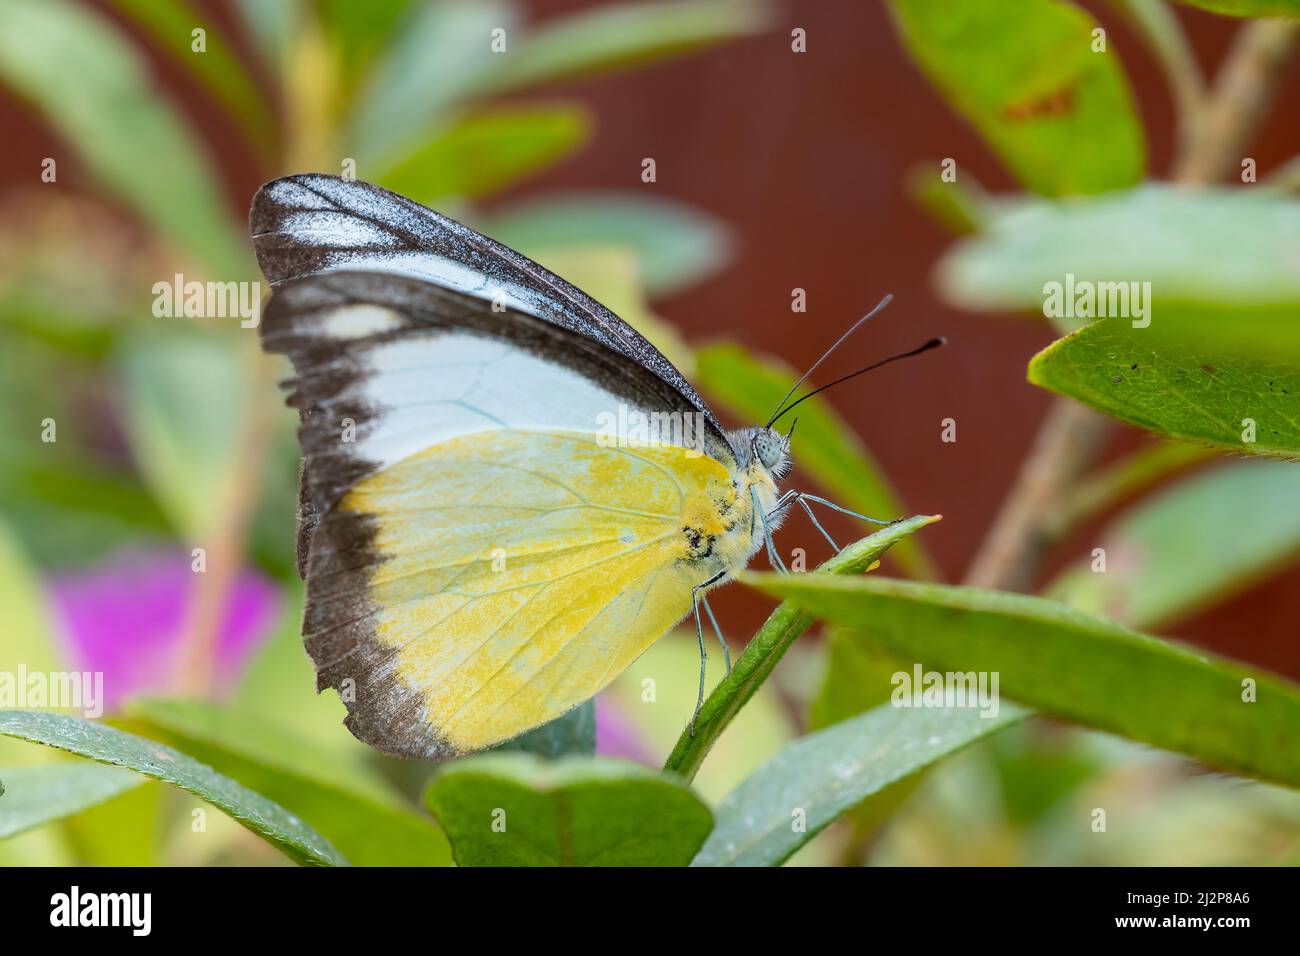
(484, 557)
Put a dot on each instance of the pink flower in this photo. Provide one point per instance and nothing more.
(126, 619)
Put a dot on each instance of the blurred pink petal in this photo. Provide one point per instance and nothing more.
(127, 616)
(617, 735)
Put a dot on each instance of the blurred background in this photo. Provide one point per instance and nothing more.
(775, 170)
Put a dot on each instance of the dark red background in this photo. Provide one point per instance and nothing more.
(804, 156)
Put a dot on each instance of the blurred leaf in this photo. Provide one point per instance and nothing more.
(827, 449)
(1071, 665)
(272, 24)
(124, 133)
(123, 831)
(573, 733)
(435, 55)
(361, 31)
(858, 678)
(1235, 285)
(169, 24)
(619, 36)
(1024, 74)
(1177, 391)
(612, 276)
(1192, 546)
(487, 151)
(515, 810)
(33, 796)
(675, 244)
(820, 776)
(107, 745)
(342, 799)
(1249, 8)
(184, 397)
(767, 647)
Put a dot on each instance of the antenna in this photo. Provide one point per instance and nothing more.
(853, 328)
(932, 344)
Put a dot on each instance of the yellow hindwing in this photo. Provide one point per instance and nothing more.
(525, 569)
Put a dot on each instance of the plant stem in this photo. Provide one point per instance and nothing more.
(1009, 558)
(1243, 91)
(1160, 30)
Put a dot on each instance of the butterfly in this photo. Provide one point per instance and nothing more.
(507, 494)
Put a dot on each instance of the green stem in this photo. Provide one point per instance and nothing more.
(767, 647)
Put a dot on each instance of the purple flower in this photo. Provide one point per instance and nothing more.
(127, 617)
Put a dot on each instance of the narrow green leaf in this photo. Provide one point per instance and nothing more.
(1192, 546)
(675, 245)
(767, 647)
(825, 447)
(1242, 404)
(272, 25)
(487, 151)
(341, 798)
(515, 810)
(1025, 74)
(1072, 665)
(621, 35)
(33, 796)
(815, 779)
(97, 92)
(110, 746)
(171, 24)
(436, 54)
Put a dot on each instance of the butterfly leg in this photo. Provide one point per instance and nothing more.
(817, 524)
(804, 496)
(696, 597)
(726, 651)
(773, 556)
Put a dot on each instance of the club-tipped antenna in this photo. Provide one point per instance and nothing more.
(825, 355)
(932, 344)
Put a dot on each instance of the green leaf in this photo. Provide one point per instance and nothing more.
(515, 810)
(272, 25)
(107, 745)
(1023, 73)
(1233, 286)
(675, 244)
(1245, 405)
(1192, 546)
(620, 36)
(487, 151)
(99, 95)
(184, 440)
(825, 447)
(341, 798)
(767, 647)
(170, 23)
(857, 679)
(437, 52)
(33, 796)
(1072, 665)
(574, 733)
(817, 778)
(1249, 8)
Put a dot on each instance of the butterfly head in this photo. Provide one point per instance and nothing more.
(771, 449)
